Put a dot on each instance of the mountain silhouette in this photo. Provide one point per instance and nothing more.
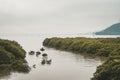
(112, 30)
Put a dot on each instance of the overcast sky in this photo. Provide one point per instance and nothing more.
(57, 16)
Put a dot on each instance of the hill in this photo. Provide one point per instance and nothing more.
(112, 30)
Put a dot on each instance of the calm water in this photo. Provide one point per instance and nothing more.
(64, 66)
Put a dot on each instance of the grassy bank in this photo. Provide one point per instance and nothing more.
(109, 70)
(97, 46)
(12, 57)
(107, 47)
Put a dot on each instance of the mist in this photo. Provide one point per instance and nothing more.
(57, 16)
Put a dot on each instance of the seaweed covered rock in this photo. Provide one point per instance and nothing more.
(109, 70)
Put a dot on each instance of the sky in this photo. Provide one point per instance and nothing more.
(57, 16)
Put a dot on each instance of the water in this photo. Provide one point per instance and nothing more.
(64, 66)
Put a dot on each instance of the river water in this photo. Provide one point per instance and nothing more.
(64, 65)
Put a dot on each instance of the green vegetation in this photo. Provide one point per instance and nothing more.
(107, 47)
(12, 57)
(97, 46)
(112, 30)
(110, 70)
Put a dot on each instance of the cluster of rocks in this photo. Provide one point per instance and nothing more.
(45, 59)
(33, 53)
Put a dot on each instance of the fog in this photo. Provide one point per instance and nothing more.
(57, 16)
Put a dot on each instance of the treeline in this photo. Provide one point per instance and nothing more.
(97, 46)
(12, 57)
(108, 47)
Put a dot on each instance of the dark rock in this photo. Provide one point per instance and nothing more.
(42, 49)
(44, 55)
(31, 52)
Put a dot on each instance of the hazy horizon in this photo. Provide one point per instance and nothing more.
(57, 16)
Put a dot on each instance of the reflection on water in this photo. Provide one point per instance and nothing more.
(64, 65)
(5, 74)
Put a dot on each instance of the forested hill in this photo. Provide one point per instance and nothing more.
(112, 30)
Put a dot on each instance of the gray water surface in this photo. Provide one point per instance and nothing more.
(64, 66)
